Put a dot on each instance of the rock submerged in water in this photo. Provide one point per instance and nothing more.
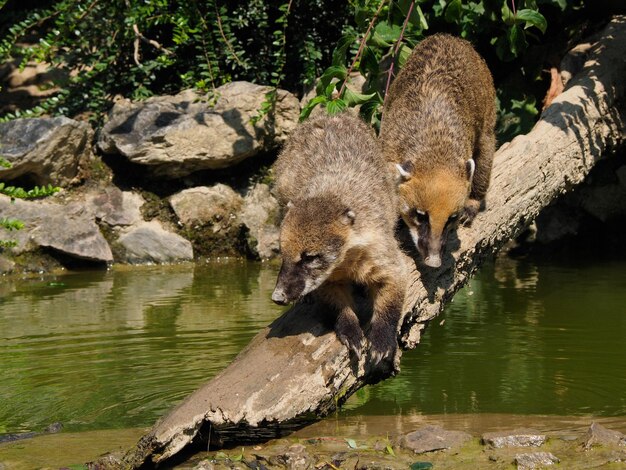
(431, 438)
(534, 460)
(516, 438)
(174, 136)
(45, 150)
(599, 435)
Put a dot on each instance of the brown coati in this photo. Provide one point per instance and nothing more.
(338, 230)
(438, 129)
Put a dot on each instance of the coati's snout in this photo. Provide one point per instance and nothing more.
(313, 242)
(290, 284)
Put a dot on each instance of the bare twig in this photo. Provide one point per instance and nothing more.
(136, 51)
(89, 8)
(140, 37)
(361, 46)
(226, 41)
(397, 48)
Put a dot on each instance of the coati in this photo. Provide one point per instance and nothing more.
(438, 129)
(338, 229)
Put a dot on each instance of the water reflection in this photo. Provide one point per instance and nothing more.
(118, 349)
(522, 338)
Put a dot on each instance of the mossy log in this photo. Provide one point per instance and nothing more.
(296, 368)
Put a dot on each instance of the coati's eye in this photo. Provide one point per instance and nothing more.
(308, 258)
(452, 219)
(421, 216)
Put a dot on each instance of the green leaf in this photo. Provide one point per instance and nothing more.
(507, 15)
(377, 40)
(370, 110)
(389, 450)
(351, 443)
(532, 18)
(368, 62)
(344, 43)
(308, 108)
(517, 40)
(421, 466)
(403, 55)
(238, 457)
(422, 18)
(352, 98)
(334, 71)
(389, 32)
(336, 106)
(453, 11)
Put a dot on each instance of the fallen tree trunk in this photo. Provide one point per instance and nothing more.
(296, 367)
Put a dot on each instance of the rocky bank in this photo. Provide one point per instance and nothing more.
(166, 180)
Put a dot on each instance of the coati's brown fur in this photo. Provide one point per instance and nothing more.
(338, 230)
(438, 129)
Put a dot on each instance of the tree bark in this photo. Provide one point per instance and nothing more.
(296, 368)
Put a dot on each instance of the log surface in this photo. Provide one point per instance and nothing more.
(296, 367)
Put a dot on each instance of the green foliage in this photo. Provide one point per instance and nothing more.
(509, 34)
(19, 193)
(137, 48)
(277, 75)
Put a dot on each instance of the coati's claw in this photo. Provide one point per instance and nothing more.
(349, 333)
(472, 207)
(353, 341)
(383, 347)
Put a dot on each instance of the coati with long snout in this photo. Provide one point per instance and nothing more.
(338, 229)
(438, 129)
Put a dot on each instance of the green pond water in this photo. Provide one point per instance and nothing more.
(117, 349)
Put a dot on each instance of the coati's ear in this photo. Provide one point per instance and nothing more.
(470, 166)
(348, 217)
(404, 171)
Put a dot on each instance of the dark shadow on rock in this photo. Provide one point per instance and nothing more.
(165, 119)
(128, 125)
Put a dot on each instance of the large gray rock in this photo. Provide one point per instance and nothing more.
(217, 205)
(69, 229)
(431, 438)
(260, 215)
(599, 435)
(177, 135)
(149, 242)
(47, 150)
(115, 207)
(516, 438)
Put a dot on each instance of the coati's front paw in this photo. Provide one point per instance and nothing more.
(472, 208)
(384, 347)
(351, 336)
